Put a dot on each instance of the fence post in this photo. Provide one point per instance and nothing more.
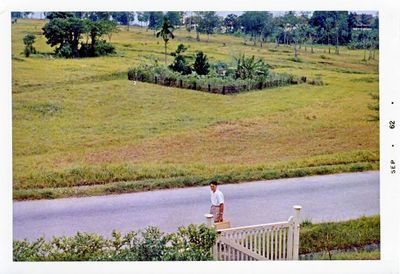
(210, 223)
(297, 208)
(209, 220)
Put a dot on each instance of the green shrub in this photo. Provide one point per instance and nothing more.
(201, 65)
(103, 48)
(180, 63)
(28, 40)
(191, 243)
(212, 82)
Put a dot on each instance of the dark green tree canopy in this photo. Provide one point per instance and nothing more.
(201, 65)
(66, 34)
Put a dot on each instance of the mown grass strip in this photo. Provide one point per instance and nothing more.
(186, 181)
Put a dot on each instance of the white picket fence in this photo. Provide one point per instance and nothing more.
(273, 241)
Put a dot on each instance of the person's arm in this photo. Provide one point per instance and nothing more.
(221, 212)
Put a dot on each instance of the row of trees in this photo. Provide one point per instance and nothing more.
(321, 27)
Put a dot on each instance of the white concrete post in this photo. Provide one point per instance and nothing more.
(209, 220)
(210, 223)
(297, 209)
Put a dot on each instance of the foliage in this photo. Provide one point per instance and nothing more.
(208, 22)
(155, 19)
(254, 22)
(66, 33)
(339, 235)
(174, 17)
(28, 40)
(166, 33)
(201, 65)
(250, 75)
(180, 64)
(250, 68)
(192, 243)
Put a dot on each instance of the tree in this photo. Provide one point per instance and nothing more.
(28, 40)
(341, 28)
(201, 65)
(253, 23)
(155, 20)
(98, 16)
(53, 15)
(231, 23)
(174, 18)
(124, 18)
(66, 33)
(166, 33)
(191, 23)
(180, 64)
(209, 20)
(143, 17)
(267, 29)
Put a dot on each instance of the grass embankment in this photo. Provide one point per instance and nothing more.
(82, 123)
(340, 236)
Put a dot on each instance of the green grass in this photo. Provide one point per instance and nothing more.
(81, 128)
(339, 235)
(352, 255)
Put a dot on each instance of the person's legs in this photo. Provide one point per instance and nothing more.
(214, 210)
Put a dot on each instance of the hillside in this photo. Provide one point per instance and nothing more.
(80, 122)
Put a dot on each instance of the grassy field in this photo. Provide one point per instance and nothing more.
(81, 128)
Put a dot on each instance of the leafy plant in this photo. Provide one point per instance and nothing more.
(166, 33)
(201, 65)
(180, 64)
(191, 243)
(28, 40)
(250, 68)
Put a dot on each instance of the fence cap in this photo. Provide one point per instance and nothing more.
(297, 207)
(208, 215)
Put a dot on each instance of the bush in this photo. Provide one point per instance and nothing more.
(180, 64)
(191, 243)
(103, 48)
(28, 40)
(201, 65)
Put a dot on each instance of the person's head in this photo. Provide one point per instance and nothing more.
(213, 185)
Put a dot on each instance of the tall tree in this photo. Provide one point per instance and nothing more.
(253, 23)
(166, 33)
(174, 18)
(155, 20)
(66, 33)
(143, 17)
(231, 23)
(209, 21)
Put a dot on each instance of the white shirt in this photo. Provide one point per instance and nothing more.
(217, 198)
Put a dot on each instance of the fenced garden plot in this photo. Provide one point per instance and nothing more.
(163, 76)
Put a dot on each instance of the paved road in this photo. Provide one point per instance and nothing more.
(329, 197)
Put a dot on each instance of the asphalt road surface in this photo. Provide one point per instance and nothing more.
(323, 198)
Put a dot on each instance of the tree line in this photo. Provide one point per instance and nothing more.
(297, 29)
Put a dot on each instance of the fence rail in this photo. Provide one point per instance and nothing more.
(273, 241)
